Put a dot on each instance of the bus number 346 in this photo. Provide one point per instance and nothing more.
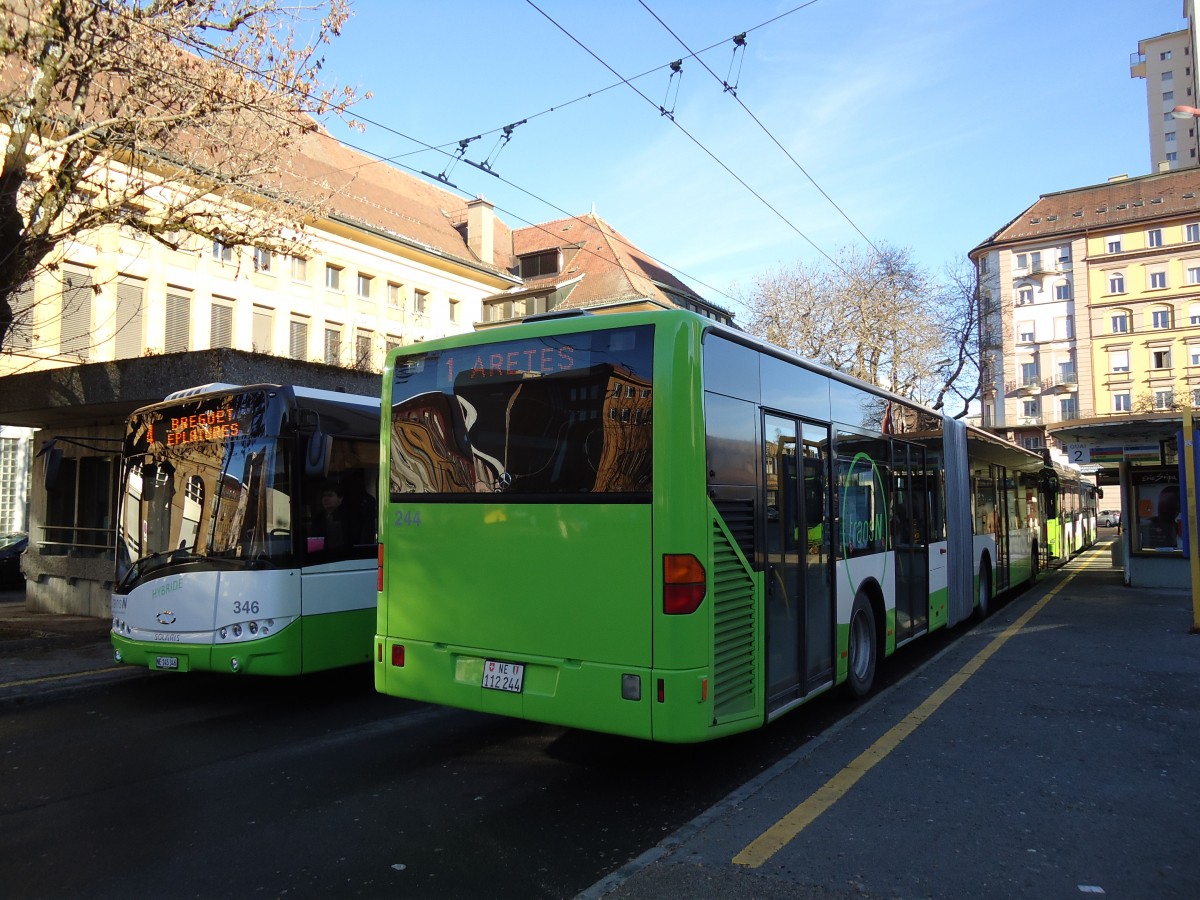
(245, 607)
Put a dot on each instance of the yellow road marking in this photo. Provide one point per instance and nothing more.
(45, 678)
(786, 829)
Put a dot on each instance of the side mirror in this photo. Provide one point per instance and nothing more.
(316, 454)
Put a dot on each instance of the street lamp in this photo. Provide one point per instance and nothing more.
(1186, 112)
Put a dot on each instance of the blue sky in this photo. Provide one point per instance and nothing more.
(929, 123)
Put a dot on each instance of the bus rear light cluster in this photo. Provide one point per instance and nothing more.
(684, 584)
(398, 655)
(120, 626)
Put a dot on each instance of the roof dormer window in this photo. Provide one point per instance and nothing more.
(536, 265)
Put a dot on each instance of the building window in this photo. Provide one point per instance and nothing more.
(299, 267)
(395, 295)
(1120, 323)
(1154, 237)
(1029, 408)
(1168, 75)
(1194, 356)
(1029, 373)
(1116, 283)
(454, 313)
(1024, 296)
(1064, 253)
(1193, 276)
(298, 338)
(262, 340)
(1169, 136)
(222, 252)
(536, 265)
(1114, 245)
(1118, 360)
(1196, 397)
(333, 344)
(221, 324)
(1160, 318)
(1025, 333)
(363, 339)
(364, 286)
(1062, 291)
(1165, 55)
(333, 277)
(1158, 280)
(1067, 408)
(1164, 399)
(1122, 402)
(179, 321)
(420, 299)
(1160, 359)
(131, 296)
(1191, 232)
(1064, 328)
(1172, 156)
(262, 260)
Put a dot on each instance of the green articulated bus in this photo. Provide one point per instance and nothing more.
(1073, 530)
(246, 532)
(653, 525)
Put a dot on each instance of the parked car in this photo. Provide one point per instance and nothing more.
(11, 548)
(1108, 518)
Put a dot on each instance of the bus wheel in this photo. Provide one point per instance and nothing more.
(984, 609)
(863, 648)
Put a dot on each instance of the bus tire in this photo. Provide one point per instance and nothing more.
(862, 649)
(984, 608)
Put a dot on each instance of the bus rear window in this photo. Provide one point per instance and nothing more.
(566, 414)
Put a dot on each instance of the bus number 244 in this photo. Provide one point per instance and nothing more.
(407, 517)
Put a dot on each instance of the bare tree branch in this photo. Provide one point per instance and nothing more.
(172, 118)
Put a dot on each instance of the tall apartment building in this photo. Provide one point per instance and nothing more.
(1091, 304)
(1168, 64)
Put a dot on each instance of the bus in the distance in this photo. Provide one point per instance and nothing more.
(653, 525)
(246, 532)
(1073, 530)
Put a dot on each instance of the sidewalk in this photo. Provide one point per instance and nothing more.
(1051, 751)
(44, 655)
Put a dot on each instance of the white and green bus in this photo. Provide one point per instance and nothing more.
(654, 525)
(246, 533)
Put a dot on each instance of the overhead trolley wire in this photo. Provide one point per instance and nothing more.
(740, 41)
(692, 138)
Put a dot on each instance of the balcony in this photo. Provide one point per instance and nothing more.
(1030, 420)
(1024, 387)
(1062, 382)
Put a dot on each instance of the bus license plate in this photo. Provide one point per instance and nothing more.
(166, 662)
(503, 676)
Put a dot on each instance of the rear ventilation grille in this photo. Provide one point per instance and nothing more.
(733, 640)
(738, 516)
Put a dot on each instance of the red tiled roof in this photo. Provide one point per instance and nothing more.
(378, 195)
(1104, 206)
(607, 267)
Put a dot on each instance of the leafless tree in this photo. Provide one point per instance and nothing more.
(877, 316)
(175, 119)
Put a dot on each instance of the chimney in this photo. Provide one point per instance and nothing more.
(481, 229)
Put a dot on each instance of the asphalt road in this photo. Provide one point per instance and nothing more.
(205, 785)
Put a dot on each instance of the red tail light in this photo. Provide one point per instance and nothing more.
(398, 655)
(379, 576)
(684, 584)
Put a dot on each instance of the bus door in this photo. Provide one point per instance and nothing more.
(799, 596)
(1005, 498)
(910, 539)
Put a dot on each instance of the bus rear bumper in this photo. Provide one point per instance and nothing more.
(633, 701)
